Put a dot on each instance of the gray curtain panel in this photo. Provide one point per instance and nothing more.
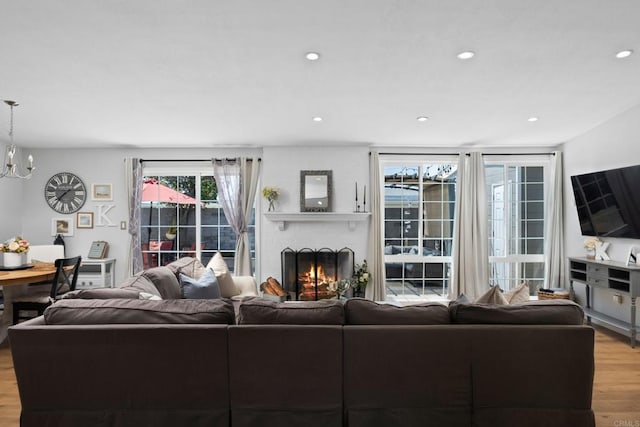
(471, 245)
(554, 273)
(133, 173)
(237, 181)
(376, 290)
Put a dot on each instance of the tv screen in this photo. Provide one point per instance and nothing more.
(608, 202)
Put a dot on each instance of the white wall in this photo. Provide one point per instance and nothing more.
(11, 207)
(281, 168)
(613, 144)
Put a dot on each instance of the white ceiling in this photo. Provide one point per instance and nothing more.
(160, 73)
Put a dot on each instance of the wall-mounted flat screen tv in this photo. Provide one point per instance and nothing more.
(608, 202)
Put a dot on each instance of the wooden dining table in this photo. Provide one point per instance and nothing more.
(14, 283)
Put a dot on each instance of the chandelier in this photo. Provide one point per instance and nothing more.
(10, 166)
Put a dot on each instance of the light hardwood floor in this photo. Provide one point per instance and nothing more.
(616, 391)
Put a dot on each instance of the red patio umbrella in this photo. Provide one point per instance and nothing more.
(153, 191)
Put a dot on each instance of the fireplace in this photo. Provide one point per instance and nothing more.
(310, 275)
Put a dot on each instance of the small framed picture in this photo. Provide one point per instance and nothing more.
(101, 192)
(84, 220)
(632, 258)
(63, 226)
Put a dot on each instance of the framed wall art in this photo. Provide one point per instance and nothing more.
(84, 220)
(101, 192)
(63, 226)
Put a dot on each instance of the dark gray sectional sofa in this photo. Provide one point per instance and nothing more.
(119, 362)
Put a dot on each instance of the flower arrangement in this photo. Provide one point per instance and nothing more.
(361, 276)
(271, 194)
(591, 242)
(16, 245)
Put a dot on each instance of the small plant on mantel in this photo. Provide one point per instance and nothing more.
(271, 194)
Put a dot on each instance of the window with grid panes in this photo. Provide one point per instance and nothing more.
(196, 227)
(516, 206)
(419, 206)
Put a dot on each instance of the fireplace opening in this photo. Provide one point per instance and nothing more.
(310, 275)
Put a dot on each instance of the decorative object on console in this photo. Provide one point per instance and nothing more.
(271, 194)
(590, 246)
(9, 166)
(316, 191)
(601, 251)
(632, 258)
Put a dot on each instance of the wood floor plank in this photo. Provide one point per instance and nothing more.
(616, 391)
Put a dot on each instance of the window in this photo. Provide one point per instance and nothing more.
(180, 216)
(516, 197)
(419, 207)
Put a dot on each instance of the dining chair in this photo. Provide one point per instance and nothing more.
(39, 299)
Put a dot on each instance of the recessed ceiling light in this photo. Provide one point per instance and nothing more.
(624, 53)
(312, 56)
(532, 119)
(317, 119)
(467, 54)
(422, 118)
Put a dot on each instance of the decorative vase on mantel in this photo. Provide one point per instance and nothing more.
(272, 205)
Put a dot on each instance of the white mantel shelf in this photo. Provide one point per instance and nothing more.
(351, 218)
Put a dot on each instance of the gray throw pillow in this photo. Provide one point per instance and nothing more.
(206, 287)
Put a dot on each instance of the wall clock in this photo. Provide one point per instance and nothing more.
(65, 193)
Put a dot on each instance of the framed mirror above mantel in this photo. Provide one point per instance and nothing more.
(316, 190)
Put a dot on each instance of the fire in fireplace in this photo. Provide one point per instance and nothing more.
(310, 275)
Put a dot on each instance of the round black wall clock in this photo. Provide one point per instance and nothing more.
(65, 193)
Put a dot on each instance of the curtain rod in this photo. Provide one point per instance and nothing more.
(466, 154)
(190, 160)
(417, 154)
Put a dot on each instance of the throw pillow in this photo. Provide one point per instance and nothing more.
(492, 296)
(225, 281)
(204, 288)
(192, 267)
(519, 294)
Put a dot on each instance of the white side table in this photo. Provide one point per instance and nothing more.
(97, 273)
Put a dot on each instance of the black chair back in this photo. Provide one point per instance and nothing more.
(66, 276)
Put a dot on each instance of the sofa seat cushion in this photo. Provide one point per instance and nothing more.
(136, 311)
(258, 311)
(360, 311)
(545, 312)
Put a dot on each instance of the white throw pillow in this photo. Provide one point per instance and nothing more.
(519, 294)
(225, 281)
(492, 296)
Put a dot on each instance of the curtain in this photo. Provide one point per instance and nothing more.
(376, 290)
(133, 174)
(237, 182)
(471, 244)
(554, 242)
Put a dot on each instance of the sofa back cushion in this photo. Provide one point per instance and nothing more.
(188, 266)
(136, 311)
(545, 312)
(165, 281)
(258, 311)
(140, 283)
(360, 311)
(105, 293)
